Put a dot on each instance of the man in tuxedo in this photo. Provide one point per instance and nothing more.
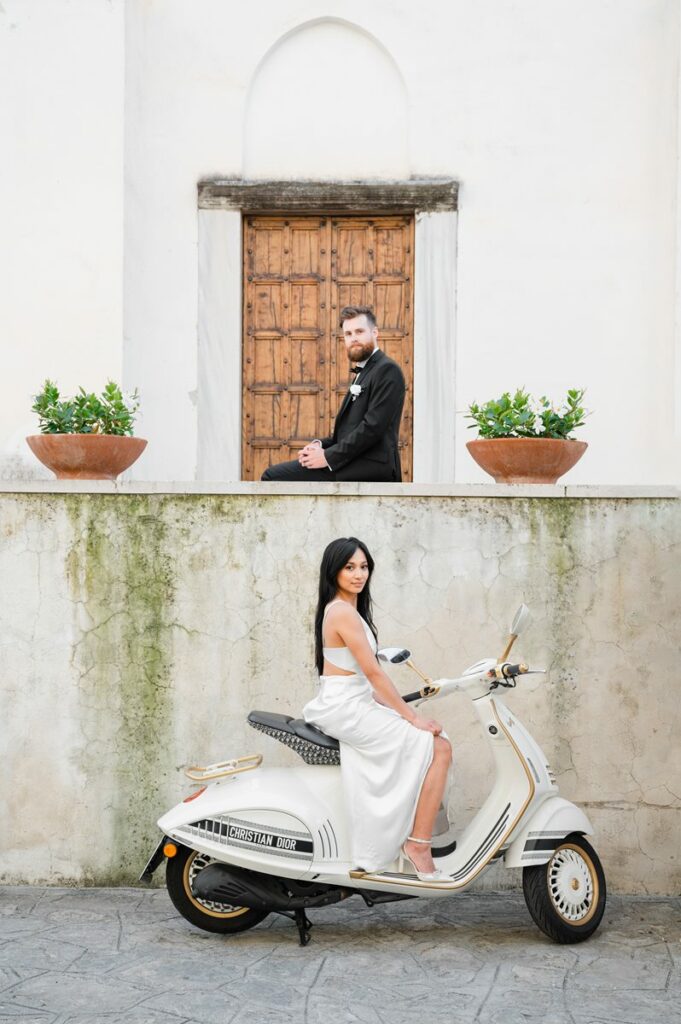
(364, 443)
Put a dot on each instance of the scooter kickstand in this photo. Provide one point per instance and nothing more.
(304, 925)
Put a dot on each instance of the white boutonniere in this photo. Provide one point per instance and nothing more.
(355, 390)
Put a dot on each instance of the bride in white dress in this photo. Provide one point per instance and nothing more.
(394, 764)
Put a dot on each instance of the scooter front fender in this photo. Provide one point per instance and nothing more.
(554, 819)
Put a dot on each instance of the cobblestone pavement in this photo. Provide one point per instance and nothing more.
(98, 956)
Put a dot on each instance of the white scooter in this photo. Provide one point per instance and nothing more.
(252, 840)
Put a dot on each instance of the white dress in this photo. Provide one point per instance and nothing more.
(384, 759)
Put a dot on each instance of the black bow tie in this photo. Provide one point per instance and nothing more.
(356, 369)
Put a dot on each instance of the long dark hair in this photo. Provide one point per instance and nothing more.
(336, 555)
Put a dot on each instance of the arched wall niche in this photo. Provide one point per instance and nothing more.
(327, 101)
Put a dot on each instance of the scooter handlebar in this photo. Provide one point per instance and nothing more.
(428, 691)
(499, 675)
(507, 671)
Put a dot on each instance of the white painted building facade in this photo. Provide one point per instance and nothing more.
(559, 121)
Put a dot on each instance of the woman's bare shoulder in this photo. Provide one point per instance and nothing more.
(341, 612)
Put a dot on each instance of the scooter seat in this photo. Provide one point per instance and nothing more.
(269, 719)
(313, 745)
(313, 734)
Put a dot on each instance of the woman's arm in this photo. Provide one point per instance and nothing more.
(346, 622)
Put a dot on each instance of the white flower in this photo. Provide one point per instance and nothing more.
(355, 390)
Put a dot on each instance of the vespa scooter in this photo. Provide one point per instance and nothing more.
(252, 840)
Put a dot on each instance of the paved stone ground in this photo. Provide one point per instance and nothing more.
(98, 956)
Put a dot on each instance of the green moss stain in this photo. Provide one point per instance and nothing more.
(555, 530)
(121, 570)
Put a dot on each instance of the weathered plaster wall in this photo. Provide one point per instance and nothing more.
(137, 631)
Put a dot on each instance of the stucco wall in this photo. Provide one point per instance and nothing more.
(138, 630)
(61, 207)
(558, 118)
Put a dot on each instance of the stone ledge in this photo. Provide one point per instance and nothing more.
(342, 489)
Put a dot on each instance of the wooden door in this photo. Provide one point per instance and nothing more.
(299, 272)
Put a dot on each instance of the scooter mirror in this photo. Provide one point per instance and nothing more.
(395, 655)
(521, 620)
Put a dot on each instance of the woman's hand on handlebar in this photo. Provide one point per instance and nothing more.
(428, 725)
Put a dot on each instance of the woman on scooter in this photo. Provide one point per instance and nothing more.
(394, 764)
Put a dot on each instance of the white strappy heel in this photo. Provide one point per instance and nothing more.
(423, 876)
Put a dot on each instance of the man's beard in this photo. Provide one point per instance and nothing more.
(358, 351)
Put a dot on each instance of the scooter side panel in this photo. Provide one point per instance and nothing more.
(547, 827)
(284, 821)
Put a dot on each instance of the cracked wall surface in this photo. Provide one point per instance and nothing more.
(138, 631)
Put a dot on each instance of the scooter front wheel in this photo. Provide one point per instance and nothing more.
(566, 896)
(181, 870)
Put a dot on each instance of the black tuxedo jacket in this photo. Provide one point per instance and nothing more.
(364, 443)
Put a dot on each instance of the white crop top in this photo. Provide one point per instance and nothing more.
(342, 657)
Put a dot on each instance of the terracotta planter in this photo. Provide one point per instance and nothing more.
(526, 460)
(86, 456)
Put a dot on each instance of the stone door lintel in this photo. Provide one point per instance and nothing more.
(422, 195)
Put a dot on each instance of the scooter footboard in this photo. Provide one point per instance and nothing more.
(548, 826)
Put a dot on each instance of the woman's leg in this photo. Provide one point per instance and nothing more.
(429, 802)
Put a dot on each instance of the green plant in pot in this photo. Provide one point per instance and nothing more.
(87, 437)
(522, 441)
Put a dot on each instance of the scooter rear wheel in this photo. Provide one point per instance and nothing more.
(566, 896)
(206, 914)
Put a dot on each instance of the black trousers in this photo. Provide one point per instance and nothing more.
(359, 471)
(294, 471)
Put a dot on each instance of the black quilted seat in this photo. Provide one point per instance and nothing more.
(313, 745)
